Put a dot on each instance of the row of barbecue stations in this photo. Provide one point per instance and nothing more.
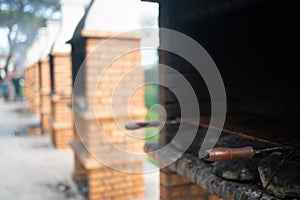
(243, 146)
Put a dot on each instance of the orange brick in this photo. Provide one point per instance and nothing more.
(96, 196)
(172, 192)
(197, 190)
(213, 197)
(172, 179)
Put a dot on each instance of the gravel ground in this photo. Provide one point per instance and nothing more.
(31, 169)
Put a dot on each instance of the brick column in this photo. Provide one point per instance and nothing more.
(176, 187)
(105, 182)
(31, 88)
(61, 114)
(45, 90)
(36, 88)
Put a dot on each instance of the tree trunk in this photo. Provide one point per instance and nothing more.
(8, 61)
(11, 46)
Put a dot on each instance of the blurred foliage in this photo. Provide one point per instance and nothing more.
(22, 19)
(151, 90)
(22, 91)
(152, 132)
(151, 98)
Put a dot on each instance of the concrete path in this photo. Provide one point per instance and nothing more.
(15, 118)
(31, 169)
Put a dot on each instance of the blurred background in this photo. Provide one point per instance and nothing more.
(36, 68)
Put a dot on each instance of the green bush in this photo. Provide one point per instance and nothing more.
(151, 98)
(152, 132)
(151, 90)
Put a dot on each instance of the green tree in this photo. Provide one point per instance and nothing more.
(22, 19)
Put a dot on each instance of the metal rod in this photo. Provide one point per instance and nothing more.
(147, 124)
(223, 153)
(138, 125)
(257, 151)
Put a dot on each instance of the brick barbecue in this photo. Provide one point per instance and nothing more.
(253, 44)
(61, 120)
(27, 84)
(35, 89)
(61, 116)
(40, 78)
(32, 88)
(94, 54)
(45, 90)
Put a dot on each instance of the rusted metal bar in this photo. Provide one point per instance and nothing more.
(147, 124)
(138, 125)
(223, 153)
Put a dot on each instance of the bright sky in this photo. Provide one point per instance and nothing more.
(118, 16)
(122, 15)
(3, 40)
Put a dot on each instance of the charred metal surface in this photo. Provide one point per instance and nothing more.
(255, 49)
(238, 178)
(286, 183)
(202, 174)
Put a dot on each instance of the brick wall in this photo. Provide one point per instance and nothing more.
(36, 87)
(176, 187)
(112, 68)
(62, 73)
(97, 120)
(93, 130)
(105, 183)
(61, 121)
(45, 89)
(61, 115)
(32, 86)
